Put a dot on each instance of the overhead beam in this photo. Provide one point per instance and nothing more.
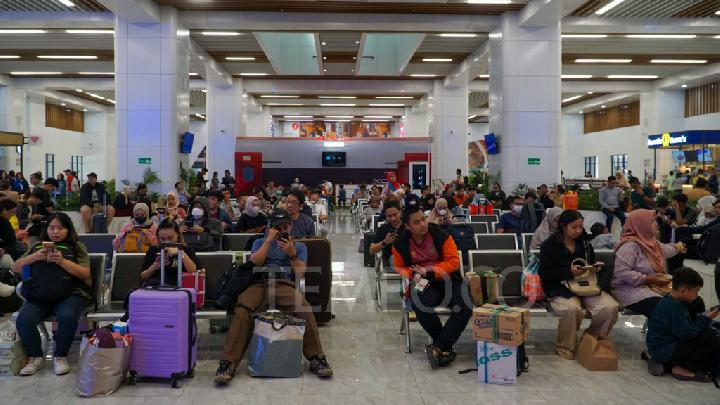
(544, 13)
(326, 21)
(215, 74)
(76, 101)
(325, 86)
(11, 19)
(594, 25)
(280, 110)
(476, 59)
(40, 83)
(605, 86)
(694, 77)
(134, 11)
(608, 100)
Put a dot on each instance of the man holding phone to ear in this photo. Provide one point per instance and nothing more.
(288, 260)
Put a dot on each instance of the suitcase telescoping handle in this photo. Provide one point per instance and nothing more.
(179, 247)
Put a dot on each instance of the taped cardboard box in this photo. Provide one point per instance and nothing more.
(497, 364)
(597, 354)
(501, 324)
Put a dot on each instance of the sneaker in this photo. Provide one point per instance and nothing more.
(225, 372)
(320, 367)
(61, 366)
(34, 364)
(6, 290)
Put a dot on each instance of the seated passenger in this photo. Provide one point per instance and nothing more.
(275, 252)
(510, 221)
(215, 197)
(173, 210)
(123, 203)
(252, 220)
(319, 209)
(9, 249)
(371, 210)
(201, 232)
(441, 215)
(386, 234)
(681, 338)
(640, 276)
(53, 293)
(426, 252)
(556, 256)
(230, 207)
(547, 227)
(687, 231)
(39, 202)
(167, 232)
(138, 234)
(302, 224)
(601, 237)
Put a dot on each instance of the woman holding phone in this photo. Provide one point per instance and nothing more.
(167, 232)
(557, 255)
(57, 280)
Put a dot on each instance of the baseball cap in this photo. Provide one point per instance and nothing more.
(278, 217)
(92, 174)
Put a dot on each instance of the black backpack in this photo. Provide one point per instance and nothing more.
(464, 238)
(709, 245)
(232, 283)
(48, 282)
(531, 216)
(523, 363)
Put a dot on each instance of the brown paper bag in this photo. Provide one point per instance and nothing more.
(597, 354)
(476, 290)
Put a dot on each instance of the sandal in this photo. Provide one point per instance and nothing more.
(433, 354)
(446, 359)
(698, 377)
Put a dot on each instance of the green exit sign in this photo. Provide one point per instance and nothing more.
(144, 160)
(534, 161)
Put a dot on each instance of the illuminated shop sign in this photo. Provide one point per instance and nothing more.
(674, 139)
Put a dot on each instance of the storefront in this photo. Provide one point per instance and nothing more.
(691, 150)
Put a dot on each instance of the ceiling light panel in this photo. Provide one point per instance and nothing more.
(679, 61)
(584, 60)
(74, 57)
(661, 36)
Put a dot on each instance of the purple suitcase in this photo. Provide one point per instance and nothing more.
(164, 330)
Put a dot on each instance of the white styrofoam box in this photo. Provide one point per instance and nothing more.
(497, 364)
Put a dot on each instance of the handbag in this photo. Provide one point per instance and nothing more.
(276, 346)
(586, 284)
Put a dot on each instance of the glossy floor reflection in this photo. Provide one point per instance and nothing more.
(366, 352)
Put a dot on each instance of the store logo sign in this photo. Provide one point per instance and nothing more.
(666, 140)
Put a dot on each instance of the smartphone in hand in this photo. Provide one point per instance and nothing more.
(284, 236)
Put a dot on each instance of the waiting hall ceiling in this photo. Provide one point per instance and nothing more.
(650, 9)
(81, 6)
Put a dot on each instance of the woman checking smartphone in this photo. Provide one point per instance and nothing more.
(168, 232)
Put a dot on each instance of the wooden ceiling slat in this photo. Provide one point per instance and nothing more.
(705, 8)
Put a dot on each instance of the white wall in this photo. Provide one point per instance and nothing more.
(706, 122)
(199, 128)
(478, 131)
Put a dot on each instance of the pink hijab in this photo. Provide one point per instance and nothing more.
(638, 229)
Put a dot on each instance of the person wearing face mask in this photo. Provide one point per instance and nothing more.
(557, 254)
(199, 231)
(252, 219)
(138, 234)
(510, 221)
(441, 215)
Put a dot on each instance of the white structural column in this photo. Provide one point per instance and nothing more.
(151, 81)
(226, 121)
(660, 111)
(12, 119)
(525, 65)
(448, 127)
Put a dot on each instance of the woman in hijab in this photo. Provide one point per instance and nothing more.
(252, 219)
(547, 227)
(441, 215)
(706, 207)
(392, 185)
(172, 207)
(640, 279)
(142, 229)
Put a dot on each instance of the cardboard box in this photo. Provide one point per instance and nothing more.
(497, 364)
(597, 354)
(501, 324)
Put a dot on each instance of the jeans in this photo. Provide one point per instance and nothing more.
(67, 313)
(609, 217)
(443, 336)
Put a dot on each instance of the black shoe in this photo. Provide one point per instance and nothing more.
(225, 372)
(320, 367)
(445, 360)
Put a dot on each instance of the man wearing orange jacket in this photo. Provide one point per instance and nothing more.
(427, 255)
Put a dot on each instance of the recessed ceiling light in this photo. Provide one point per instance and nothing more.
(603, 106)
(9, 56)
(285, 104)
(632, 77)
(84, 109)
(89, 31)
(684, 86)
(111, 101)
(437, 60)
(717, 37)
(298, 116)
(374, 120)
(608, 7)
(484, 76)
(571, 99)
(357, 42)
(204, 91)
(323, 43)
(339, 97)
(587, 36)
(34, 73)
(63, 104)
(603, 60)
(688, 61)
(422, 75)
(277, 96)
(717, 12)
(220, 33)
(96, 73)
(192, 74)
(576, 76)
(79, 90)
(253, 74)
(387, 105)
(67, 3)
(339, 116)
(239, 58)
(84, 57)
(379, 116)
(336, 105)
(590, 92)
(395, 97)
(324, 70)
(489, 1)
(458, 35)
(581, 111)
(661, 36)
(12, 31)
(471, 116)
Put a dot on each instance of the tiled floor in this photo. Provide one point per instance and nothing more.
(366, 352)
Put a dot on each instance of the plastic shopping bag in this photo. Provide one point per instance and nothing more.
(12, 353)
(102, 370)
(531, 283)
(276, 346)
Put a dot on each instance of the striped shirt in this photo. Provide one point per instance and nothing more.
(631, 267)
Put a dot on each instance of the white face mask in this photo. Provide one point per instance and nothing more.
(517, 208)
(442, 211)
(197, 213)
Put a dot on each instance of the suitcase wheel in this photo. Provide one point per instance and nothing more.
(191, 374)
(177, 383)
(131, 379)
(213, 330)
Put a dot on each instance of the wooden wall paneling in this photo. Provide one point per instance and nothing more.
(702, 100)
(625, 115)
(64, 118)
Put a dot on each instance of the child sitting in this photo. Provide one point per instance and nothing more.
(601, 237)
(682, 340)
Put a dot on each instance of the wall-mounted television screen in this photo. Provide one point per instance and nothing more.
(704, 155)
(678, 156)
(333, 159)
(691, 155)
